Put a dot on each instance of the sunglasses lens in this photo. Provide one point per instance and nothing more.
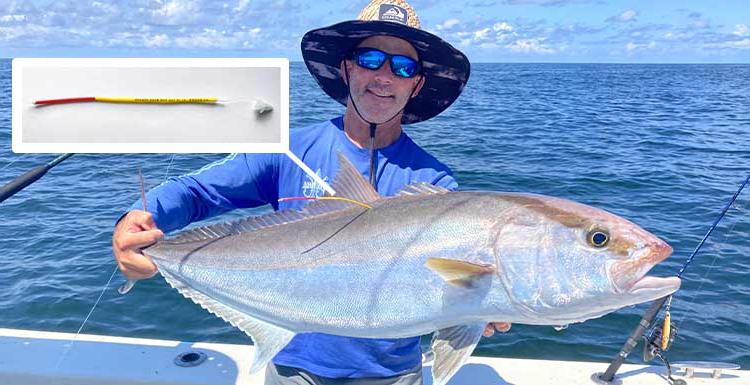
(373, 59)
(404, 66)
(370, 59)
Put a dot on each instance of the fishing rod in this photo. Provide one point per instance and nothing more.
(656, 306)
(31, 176)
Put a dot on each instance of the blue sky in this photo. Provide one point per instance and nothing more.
(651, 31)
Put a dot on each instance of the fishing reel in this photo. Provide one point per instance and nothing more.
(659, 341)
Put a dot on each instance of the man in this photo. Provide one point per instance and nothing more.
(387, 72)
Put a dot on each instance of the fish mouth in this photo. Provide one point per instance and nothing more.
(630, 276)
(660, 286)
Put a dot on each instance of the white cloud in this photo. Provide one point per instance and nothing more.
(157, 41)
(482, 34)
(175, 12)
(676, 35)
(148, 24)
(741, 30)
(23, 31)
(738, 44)
(700, 23)
(546, 3)
(448, 24)
(502, 26)
(535, 45)
(626, 16)
(630, 47)
(241, 5)
(213, 38)
(208, 38)
(10, 18)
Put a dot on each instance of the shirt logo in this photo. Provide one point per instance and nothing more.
(392, 13)
(310, 188)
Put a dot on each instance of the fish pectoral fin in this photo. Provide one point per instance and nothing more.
(458, 273)
(268, 339)
(452, 347)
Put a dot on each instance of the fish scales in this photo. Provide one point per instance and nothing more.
(360, 286)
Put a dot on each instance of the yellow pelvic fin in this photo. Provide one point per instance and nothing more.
(458, 273)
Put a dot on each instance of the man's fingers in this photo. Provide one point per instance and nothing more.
(148, 237)
(134, 232)
(145, 220)
(139, 240)
(136, 265)
(138, 220)
(502, 327)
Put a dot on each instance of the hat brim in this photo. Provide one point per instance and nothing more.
(446, 69)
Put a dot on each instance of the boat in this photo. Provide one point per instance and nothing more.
(30, 357)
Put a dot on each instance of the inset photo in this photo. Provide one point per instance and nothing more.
(150, 105)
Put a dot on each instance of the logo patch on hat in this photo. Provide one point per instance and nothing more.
(394, 13)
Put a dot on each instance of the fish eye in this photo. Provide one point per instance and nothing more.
(598, 238)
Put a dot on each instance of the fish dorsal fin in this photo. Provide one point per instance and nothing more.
(349, 183)
(458, 273)
(452, 347)
(422, 188)
(268, 339)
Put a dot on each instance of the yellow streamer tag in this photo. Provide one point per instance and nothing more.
(108, 99)
(352, 201)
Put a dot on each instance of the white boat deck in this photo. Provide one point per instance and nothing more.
(32, 357)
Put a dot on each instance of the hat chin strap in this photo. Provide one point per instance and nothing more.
(373, 126)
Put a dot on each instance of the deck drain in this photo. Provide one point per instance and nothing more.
(190, 359)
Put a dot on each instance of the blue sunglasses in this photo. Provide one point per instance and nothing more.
(372, 59)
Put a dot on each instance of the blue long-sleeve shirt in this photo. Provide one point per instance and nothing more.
(251, 180)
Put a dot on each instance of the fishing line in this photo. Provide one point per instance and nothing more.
(171, 159)
(650, 348)
(109, 281)
(660, 339)
(691, 300)
(75, 337)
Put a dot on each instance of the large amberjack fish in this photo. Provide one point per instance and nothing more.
(426, 260)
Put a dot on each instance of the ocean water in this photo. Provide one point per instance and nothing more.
(662, 145)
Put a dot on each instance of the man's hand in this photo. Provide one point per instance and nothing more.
(502, 327)
(134, 232)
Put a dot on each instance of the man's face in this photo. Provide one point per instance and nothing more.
(379, 94)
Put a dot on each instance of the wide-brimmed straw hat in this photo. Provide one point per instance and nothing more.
(445, 68)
